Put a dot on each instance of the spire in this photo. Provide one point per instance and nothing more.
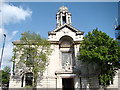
(63, 16)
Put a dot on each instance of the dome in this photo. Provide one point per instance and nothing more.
(63, 8)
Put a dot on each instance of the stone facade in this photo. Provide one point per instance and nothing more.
(64, 70)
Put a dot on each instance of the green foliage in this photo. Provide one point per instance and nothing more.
(5, 76)
(33, 52)
(99, 48)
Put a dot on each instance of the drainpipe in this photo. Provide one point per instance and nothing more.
(13, 70)
(80, 84)
(56, 83)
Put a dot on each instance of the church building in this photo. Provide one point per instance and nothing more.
(64, 70)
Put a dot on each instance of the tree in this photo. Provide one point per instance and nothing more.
(33, 52)
(97, 47)
(5, 76)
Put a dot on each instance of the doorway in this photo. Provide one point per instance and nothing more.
(67, 84)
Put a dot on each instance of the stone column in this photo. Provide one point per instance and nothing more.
(24, 81)
(67, 19)
(70, 19)
(58, 21)
(57, 18)
(61, 19)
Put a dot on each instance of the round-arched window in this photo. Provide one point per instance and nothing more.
(67, 51)
(66, 42)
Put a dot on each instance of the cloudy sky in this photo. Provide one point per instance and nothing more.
(10, 14)
(40, 17)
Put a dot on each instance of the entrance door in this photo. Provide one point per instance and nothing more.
(67, 84)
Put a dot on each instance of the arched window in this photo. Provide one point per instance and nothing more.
(64, 19)
(67, 51)
(66, 42)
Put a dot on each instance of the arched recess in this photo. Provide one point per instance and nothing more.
(28, 79)
(66, 46)
(66, 42)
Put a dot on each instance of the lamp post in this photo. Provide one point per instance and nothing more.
(2, 49)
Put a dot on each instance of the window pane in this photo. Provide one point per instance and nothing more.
(66, 58)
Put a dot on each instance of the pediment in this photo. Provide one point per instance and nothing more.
(66, 28)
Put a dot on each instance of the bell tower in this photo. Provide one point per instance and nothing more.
(63, 16)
